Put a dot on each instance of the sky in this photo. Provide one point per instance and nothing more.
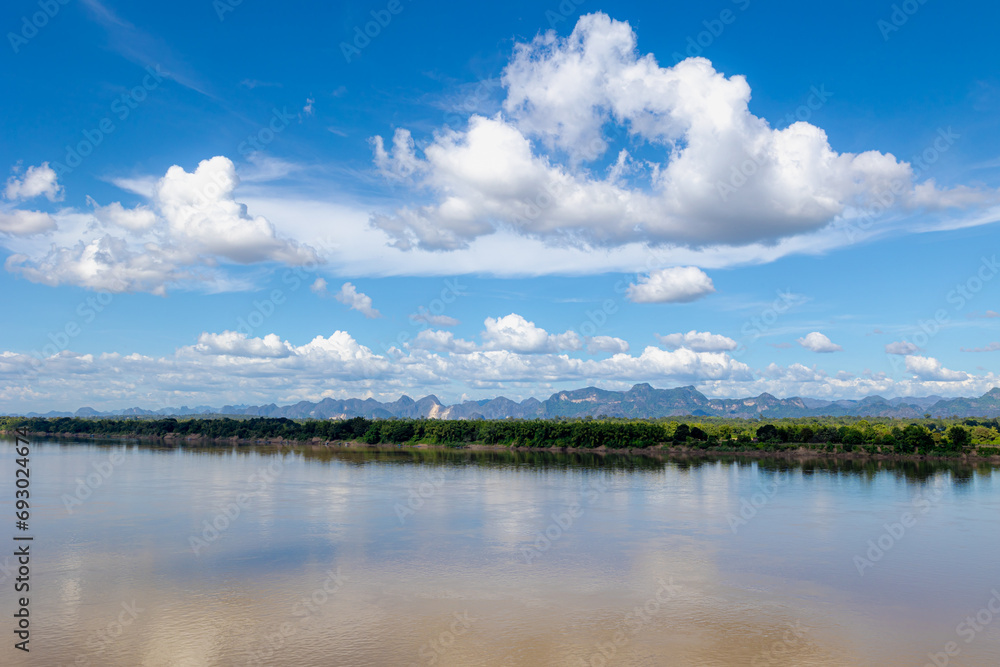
(224, 202)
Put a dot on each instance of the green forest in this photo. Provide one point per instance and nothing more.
(947, 437)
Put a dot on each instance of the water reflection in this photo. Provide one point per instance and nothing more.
(910, 470)
(453, 557)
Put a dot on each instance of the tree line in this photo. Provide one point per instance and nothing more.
(875, 435)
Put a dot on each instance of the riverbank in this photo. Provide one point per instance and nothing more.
(790, 452)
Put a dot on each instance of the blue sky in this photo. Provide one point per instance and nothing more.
(209, 203)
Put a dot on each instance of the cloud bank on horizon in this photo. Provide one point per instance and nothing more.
(514, 357)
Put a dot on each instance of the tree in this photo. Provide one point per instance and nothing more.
(373, 435)
(915, 438)
(888, 439)
(767, 433)
(959, 438)
(852, 436)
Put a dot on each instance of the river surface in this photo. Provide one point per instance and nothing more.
(146, 555)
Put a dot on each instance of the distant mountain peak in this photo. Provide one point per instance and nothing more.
(641, 401)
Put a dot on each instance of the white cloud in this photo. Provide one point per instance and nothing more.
(233, 367)
(563, 93)
(238, 344)
(360, 251)
(402, 162)
(797, 373)
(514, 333)
(929, 368)
(680, 364)
(818, 342)
(193, 223)
(434, 320)
(106, 263)
(26, 223)
(40, 180)
(254, 83)
(341, 348)
(674, 285)
(699, 341)
(255, 359)
(490, 368)
(901, 347)
(262, 168)
(236, 368)
(441, 341)
(200, 210)
(144, 186)
(350, 296)
(308, 108)
(597, 344)
(114, 214)
(319, 287)
(992, 347)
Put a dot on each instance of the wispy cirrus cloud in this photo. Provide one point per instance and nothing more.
(142, 48)
(992, 347)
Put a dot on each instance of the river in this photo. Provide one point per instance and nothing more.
(147, 555)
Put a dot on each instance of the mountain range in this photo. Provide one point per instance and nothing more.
(641, 401)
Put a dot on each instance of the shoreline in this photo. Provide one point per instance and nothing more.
(791, 453)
